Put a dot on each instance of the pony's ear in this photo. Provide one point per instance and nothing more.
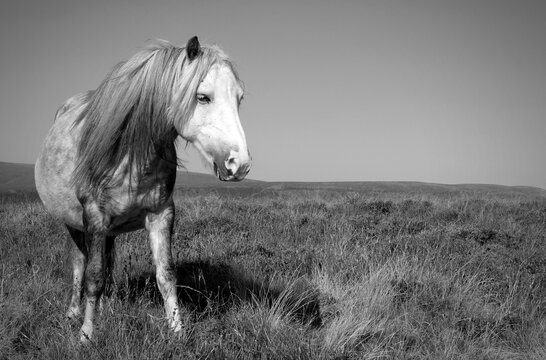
(193, 48)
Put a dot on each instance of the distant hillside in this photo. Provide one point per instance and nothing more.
(409, 187)
(16, 177)
(20, 178)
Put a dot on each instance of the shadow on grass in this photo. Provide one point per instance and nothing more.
(212, 289)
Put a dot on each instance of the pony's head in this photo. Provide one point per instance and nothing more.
(207, 110)
(145, 102)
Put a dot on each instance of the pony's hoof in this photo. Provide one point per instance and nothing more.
(176, 327)
(85, 335)
(84, 339)
(73, 313)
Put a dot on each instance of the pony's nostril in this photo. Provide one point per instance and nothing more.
(232, 165)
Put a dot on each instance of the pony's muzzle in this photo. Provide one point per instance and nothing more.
(235, 168)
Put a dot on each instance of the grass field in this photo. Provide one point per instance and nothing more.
(296, 274)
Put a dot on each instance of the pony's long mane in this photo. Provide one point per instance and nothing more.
(130, 118)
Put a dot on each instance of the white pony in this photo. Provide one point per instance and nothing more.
(108, 164)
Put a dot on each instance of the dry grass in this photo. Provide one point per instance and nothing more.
(296, 274)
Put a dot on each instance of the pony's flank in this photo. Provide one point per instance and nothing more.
(130, 119)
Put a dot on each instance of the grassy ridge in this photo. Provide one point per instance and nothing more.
(296, 274)
(19, 178)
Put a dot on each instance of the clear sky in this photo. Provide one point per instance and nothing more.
(413, 90)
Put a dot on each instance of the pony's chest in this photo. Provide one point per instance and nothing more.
(129, 215)
(125, 203)
(128, 212)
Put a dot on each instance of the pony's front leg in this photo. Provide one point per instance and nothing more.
(109, 273)
(78, 254)
(159, 226)
(94, 282)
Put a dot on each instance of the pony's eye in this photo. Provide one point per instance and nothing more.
(203, 99)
